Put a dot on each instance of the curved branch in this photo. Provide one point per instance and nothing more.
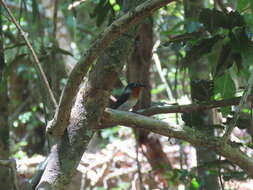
(195, 137)
(121, 25)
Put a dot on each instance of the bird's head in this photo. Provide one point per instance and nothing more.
(135, 88)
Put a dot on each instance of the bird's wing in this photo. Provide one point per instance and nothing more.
(122, 99)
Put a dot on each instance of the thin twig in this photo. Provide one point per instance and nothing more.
(19, 109)
(159, 69)
(55, 19)
(37, 62)
(137, 159)
(243, 100)
(189, 107)
(220, 177)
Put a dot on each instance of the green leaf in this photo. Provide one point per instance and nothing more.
(225, 88)
(242, 44)
(20, 154)
(116, 7)
(238, 61)
(239, 39)
(243, 4)
(249, 20)
(194, 184)
(197, 51)
(112, 2)
(101, 12)
(235, 20)
(214, 19)
(224, 61)
(35, 11)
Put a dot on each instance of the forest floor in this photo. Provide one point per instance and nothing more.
(115, 167)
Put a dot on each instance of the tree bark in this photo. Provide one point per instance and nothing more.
(63, 36)
(138, 70)
(5, 177)
(201, 90)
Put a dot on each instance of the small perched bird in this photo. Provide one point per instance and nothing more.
(129, 97)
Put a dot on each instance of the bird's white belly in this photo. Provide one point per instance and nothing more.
(128, 105)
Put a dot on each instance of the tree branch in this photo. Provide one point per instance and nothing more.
(121, 25)
(189, 107)
(36, 60)
(195, 137)
(157, 61)
(243, 100)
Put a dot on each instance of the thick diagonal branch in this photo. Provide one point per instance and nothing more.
(124, 23)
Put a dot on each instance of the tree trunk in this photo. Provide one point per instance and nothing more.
(139, 71)
(201, 90)
(5, 177)
(63, 36)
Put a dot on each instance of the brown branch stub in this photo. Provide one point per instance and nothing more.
(118, 27)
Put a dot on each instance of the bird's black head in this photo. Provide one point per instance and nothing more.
(135, 85)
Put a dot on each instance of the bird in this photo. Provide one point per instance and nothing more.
(129, 97)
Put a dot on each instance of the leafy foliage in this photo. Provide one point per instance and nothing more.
(106, 10)
(214, 20)
(226, 59)
(197, 51)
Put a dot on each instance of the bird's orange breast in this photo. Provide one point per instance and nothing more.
(136, 92)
